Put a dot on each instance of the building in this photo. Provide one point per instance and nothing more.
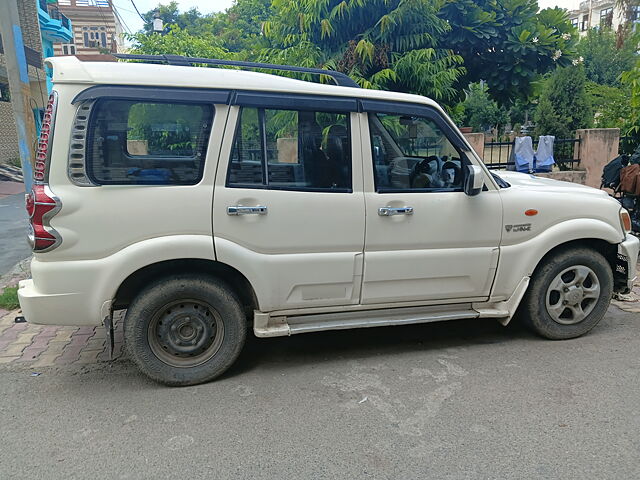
(96, 29)
(42, 25)
(599, 14)
(55, 27)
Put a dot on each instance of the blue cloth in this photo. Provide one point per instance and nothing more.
(523, 154)
(544, 160)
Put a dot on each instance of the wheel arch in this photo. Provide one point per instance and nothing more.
(607, 249)
(137, 280)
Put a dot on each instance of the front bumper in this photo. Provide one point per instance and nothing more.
(626, 264)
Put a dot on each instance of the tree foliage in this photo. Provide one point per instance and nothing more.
(604, 62)
(631, 79)
(386, 44)
(191, 20)
(508, 43)
(564, 105)
(177, 42)
(610, 105)
(428, 47)
(239, 28)
(480, 111)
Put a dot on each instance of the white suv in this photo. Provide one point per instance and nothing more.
(208, 200)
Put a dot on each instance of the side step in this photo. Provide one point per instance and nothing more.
(276, 326)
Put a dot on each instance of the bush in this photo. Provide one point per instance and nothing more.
(564, 105)
(480, 112)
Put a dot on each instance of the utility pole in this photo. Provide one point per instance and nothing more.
(19, 89)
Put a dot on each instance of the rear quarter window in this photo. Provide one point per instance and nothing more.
(147, 143)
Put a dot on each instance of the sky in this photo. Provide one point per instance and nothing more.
(133, 23)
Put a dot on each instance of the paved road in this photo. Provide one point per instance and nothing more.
(13, 232)
(460, 400)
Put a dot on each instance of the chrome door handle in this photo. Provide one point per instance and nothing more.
(240, 210)
(390, 211)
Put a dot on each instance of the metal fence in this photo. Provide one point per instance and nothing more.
(566, 152)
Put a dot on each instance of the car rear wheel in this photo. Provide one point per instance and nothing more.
(185, 330)
(568, 294)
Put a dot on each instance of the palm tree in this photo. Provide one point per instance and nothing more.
(385, 44)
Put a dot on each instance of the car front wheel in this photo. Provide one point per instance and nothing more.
(569, 294)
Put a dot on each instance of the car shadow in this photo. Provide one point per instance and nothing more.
(316, 348)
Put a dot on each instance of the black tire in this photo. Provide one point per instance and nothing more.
(534, 309)
(185, 330)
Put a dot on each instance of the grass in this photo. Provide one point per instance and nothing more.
(9, 298)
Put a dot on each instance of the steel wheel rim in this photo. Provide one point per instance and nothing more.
(572, 295)
(185, 333)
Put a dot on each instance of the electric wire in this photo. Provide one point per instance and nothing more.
(137, 11)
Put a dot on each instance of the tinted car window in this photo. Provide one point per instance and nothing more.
(289, 149)
(132, 142)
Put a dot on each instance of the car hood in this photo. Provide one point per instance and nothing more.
(532, 182)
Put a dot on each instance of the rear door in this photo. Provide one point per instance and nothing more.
(289, 202)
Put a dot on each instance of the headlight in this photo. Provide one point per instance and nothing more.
(625, 220)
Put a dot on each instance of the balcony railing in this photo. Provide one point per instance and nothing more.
(58, 15)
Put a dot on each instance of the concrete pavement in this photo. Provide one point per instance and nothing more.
(13, 231)
(457, 400)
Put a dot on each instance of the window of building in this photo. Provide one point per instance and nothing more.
(94, 37)
(4, 92)
(90, 3)
(135, 142)
(584, 25)
(574, 22)
(413, 153)
(291, 150)
(68, 49)
(606, 17)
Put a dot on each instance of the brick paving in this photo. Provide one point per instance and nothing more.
(47, 346)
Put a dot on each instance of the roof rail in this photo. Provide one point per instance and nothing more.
(340, 78)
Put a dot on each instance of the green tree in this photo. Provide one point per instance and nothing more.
(611, 105)
(177, 42)
(191, 20)
(240, 27)
(508, 43)
(631, 79)
(480, 111)
(386, 44)
(604, 62)
(237, 29)
(564, 105)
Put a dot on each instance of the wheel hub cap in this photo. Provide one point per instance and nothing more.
(186, 333)
(572, 295)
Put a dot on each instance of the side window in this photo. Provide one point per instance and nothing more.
(134, 142)
(291, 150)
(413, 153)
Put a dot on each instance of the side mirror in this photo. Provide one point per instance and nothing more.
(474, 180)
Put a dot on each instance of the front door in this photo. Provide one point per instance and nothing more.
(289, 203)
(426, 240)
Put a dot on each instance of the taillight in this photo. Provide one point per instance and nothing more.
(41, 206)
(43, 153)
(41, 203)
